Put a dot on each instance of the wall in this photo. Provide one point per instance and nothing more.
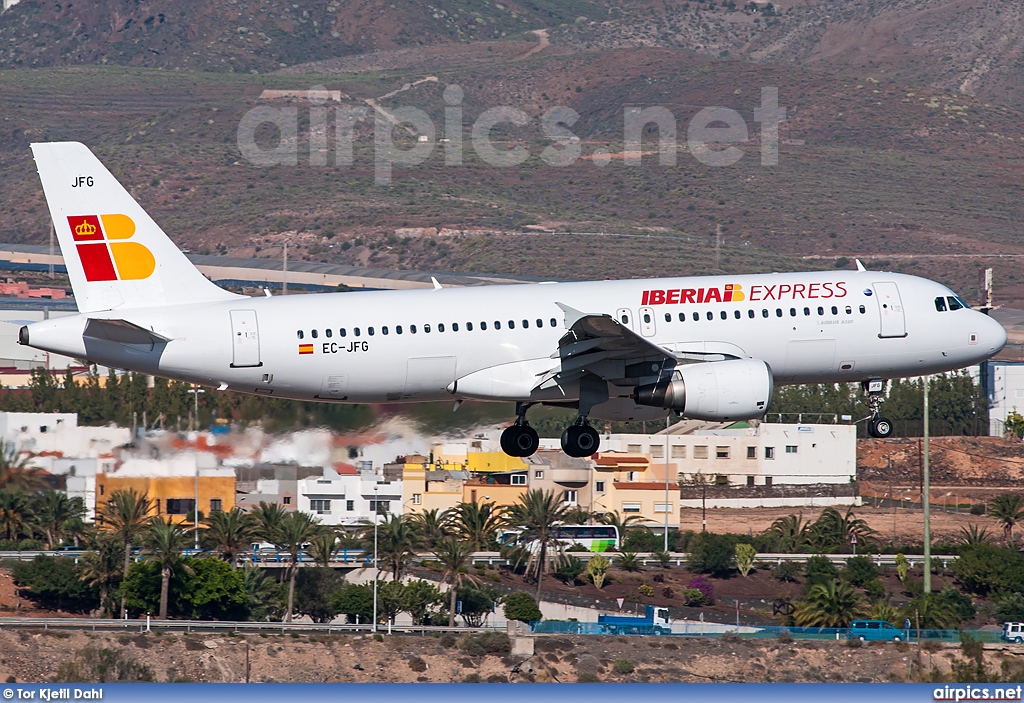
(1004, 387)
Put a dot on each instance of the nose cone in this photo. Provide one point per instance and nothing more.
(991, 336)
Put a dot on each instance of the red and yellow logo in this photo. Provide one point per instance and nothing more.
(305, 348)
(104, 254)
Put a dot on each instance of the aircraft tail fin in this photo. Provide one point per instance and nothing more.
(116, 255)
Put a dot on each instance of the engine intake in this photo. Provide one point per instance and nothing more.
(737, 389)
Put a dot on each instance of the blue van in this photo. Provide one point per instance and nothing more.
(875, 630)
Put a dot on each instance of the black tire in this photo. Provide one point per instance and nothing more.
(1019, 641)
(897, 638)
(580, 441)
(519, 441)
(880, 427)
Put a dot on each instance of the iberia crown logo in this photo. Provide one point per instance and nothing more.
(104, 254)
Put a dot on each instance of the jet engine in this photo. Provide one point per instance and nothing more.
(736, 389)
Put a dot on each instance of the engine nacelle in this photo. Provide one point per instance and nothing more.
(737, 389)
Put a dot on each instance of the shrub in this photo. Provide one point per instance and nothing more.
(521, 606)
(569, 570)
(629, 561)
(978, 509)
(711, 554)
(487, 643)
(787, 571)
(854, 642)
(354, 600)
(54, 584)
(859, 571)
(663, 557)
(875, 589)
(983, 569)
(1010, 607)
(704, 586)
(693, 598)
(646, 591)
(472, 678)
(92, 665)
(668, 593)
(785, 637)
(640, 539)
(597, 569)
(819, 570)
(902, 567)
(962, 603)
(745, 554)
(658, 578)
(447, 641)
(623, 666)
(587, 677)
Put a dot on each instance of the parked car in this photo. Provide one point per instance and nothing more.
(1013, 632)
(875, 630)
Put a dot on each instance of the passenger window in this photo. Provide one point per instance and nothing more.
(440, 327)
(455, 327)
(511, 324)
(540, 323)
(792, 312)
(954, 304)
(342, 332)
(497, 324)
(412, 329)
(821, 310)
(764, 312)
(682, 317)
(940, 304)
(835, 310)
(398, 329)
(327, 333)
(724, 315)
(356, 331)
(668, 317)
(647, 318)
(426, 329)
(778, 312)
(736, 314)
(384, 330)
(469, 326)
(849, 310)
(711, 315)
(863, 309)
(696, 317)
(526, 323)
(750, 314)
(313, 334)
(553, 322)
(369, 331)
(807, 311)
(299, 333)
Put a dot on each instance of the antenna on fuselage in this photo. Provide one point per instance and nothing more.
(860, 266)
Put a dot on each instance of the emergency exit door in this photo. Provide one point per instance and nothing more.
(245, 339)
(892, 320)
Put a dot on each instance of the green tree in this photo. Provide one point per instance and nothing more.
(295, 530)
(834, 531)
(476, 523)
(16, 473)
(745, 554)
(15, 515)
(1007, 509)
(521, 606)
(973, 534)
(214, 590)
(322, 547)
(397, 543)
(711, 554)
(790, 533)
(54, 584)
(1010, 607)
(931, 612)
(832, 604)
(537, 514)
(819, 569)
(102, 570)
(126, 514)
(229, 533)
(453, 556)
(355, 601)
(420, 599)
(477, 602)
(313, 590)
(983, 569)
(265, 596)
(54, 511)
(164, 541)
(432, 525)
(268, 518)
(859, 571)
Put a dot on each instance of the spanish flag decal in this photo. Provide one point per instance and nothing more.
(305, 349)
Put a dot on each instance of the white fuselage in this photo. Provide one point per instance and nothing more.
(809, 327)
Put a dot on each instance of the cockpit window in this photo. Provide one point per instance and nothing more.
(940, 304)
(955, 303)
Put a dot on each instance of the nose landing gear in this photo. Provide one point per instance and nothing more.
(520, 439)
(878, 426)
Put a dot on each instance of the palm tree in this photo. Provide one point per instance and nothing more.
(476, 523)
(832, 604)
(294, 531)
(537, 514)
(973, 534)
(579, 516)
(453, 554)
(164, 541)
(228, 533)
(102, 569)
(54, 511)
(618, 521)
(15, 472)
(268, 518)
(126, 513)
(322, 547)
(929, 612)
(15, 514)
(1007, 509)
(433, 525)
(790, 532)
(834, 530)
(397, 542)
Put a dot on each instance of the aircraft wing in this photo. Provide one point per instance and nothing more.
(599, 344)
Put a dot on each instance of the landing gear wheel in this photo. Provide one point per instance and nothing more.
(580, 441)
(519, 440)
(879, 427)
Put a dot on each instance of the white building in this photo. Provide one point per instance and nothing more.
(59, 434)
(348, 498)
(1003, 382)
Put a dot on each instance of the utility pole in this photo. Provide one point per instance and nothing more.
(284, 282)
(926, 500)
(376, 510)
(667, 425)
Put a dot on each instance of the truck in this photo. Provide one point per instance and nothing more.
(655, 621)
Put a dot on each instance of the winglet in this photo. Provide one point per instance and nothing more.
(437, 285)
(860, 266)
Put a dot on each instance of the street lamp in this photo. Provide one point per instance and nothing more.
(195, 391)
(668, 419)
(376, 509)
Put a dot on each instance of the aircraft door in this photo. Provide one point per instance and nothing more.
(624, 317)
(893, 322)
(647, 322)
(245, 338)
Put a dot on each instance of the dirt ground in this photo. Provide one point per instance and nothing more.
(909, 522)
(35, 656)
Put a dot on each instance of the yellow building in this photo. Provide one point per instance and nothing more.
(630, 484)
(424, 488)
(501, 489)
(170, 485)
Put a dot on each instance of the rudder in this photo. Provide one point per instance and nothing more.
(116, 255)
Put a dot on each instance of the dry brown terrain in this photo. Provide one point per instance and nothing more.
(35, 656)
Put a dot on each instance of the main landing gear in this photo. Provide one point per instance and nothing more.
(878, 426)
(520, 439)
(580, 439)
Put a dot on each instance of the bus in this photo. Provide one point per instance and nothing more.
(594, 538)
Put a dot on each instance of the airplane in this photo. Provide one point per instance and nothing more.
(708, 347)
